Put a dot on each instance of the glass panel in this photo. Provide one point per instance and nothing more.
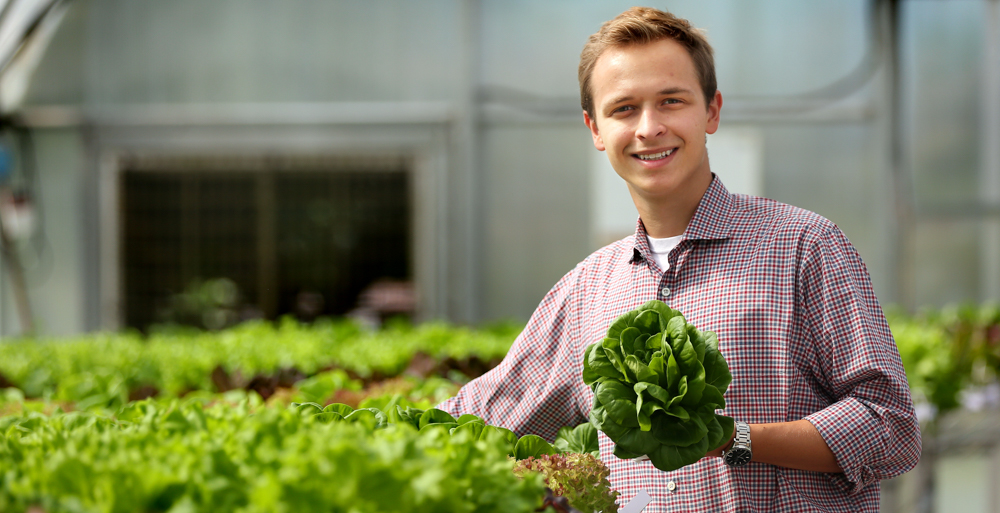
(229, 51)
(946, 258)
(833, 170)
(152, 234)
(962, 484)
(941, 59)
(762, 48)
(336, 232)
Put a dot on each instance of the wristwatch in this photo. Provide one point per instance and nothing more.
(739, 453)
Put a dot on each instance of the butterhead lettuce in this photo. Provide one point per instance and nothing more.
(657, 381)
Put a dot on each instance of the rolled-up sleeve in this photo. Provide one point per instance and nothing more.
(537, 388)
(870, 425)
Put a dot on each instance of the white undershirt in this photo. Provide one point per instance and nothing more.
(661, 248)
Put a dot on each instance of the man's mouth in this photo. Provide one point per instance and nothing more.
(654, 156)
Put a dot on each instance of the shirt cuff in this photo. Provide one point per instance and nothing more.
(853, 433)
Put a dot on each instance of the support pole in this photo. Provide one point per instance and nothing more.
(990, 156)
(17, 283)
(902, 191)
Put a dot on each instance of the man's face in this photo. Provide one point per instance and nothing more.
(651, 118)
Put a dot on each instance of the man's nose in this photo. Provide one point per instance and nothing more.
(651, 125)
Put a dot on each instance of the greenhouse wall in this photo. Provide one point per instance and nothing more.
(484, 94)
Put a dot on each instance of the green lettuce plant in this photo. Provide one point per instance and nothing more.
(581, 478)
(657, 381)
(519, 448)
(106, 369)
(581, 439)
(196, 455)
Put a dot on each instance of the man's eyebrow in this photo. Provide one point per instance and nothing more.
(675, 90)
(619, 99)
(663, 92)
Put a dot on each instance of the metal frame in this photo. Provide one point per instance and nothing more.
(990, 151)
(419, 133)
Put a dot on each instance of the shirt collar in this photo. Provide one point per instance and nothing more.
(712, 220)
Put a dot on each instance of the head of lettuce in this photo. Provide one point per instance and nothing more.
(657, 381)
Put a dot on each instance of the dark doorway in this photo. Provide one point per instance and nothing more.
(301, 241)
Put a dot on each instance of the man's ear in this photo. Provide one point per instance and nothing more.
(714, 112)
(592, 125)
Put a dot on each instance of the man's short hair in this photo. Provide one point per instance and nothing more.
(642, 25)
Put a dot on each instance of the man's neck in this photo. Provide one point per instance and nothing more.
(669, 216)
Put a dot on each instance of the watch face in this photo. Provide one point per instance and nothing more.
(738, 456)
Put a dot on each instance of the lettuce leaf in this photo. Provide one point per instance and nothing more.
(657, 382)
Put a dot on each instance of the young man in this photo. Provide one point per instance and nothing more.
(818, 391)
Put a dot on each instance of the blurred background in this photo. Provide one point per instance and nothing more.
(204, 163)
(429, 158)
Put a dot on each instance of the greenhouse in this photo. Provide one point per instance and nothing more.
(334, 255)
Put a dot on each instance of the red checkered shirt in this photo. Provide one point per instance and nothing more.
(797, 321)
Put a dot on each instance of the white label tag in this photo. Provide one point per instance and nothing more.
(638, 503)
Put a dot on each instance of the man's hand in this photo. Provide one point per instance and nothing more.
(717, 452)
(795, 445)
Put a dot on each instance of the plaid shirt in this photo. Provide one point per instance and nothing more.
(797, 321)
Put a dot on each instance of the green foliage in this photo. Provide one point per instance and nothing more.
(582, 439)
(194, 456)
(320, 387)
(532, 446)
(581, 478)
(946, 351)
(430, 419)
(415, 392)
(210, 304)
(657, 382)
(103, 369)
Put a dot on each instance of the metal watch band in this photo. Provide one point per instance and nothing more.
(742, 433)
(739, 453)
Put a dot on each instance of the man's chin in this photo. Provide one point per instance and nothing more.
(655, 193)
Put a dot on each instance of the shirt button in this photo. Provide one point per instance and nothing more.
(671, 486)
(665, 291)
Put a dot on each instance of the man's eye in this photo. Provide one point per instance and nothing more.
(671, 101)
(623, 108)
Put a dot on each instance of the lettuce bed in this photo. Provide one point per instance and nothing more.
(233, 453)
(109, 370)
(223, 457)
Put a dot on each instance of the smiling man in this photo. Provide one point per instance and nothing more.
(820, 399)
(647, 110)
